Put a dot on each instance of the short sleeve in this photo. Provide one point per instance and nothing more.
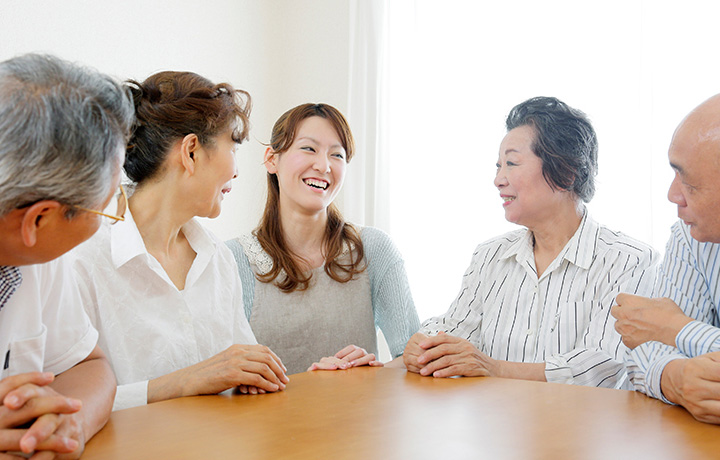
(70, 335)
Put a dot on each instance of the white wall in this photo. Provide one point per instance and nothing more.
(284, 52)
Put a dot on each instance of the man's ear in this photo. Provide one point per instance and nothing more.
(270, 161)
(37, 217)
(188, 151)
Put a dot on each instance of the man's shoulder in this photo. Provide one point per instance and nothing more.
(42, 274)
(683, 246)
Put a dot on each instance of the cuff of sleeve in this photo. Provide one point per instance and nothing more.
(697, 338)
(131, 395)
(557, 370)
(653, 378)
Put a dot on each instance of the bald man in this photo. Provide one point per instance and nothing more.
(675, 337)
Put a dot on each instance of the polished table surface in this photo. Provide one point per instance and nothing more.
(381, 413)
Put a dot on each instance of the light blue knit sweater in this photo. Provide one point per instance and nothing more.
(393, 306)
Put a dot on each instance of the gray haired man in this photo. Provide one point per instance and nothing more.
(63, 130)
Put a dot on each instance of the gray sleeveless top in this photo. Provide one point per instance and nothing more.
(314, 323)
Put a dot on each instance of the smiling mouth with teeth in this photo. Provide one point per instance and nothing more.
(320, 184)
(508, 198)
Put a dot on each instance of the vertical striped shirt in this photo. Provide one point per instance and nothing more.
(690, 276)
(561, 318)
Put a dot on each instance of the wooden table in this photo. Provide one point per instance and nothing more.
(379, 413)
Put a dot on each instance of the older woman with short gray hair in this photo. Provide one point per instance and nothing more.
(535, 302)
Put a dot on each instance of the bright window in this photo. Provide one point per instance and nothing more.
(456, 68)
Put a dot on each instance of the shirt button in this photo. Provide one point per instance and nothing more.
(529, 332)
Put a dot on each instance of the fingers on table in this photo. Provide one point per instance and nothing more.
(271, 362)
(261, 375)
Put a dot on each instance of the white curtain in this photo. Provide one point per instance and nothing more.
(433, 81)
(365, 193)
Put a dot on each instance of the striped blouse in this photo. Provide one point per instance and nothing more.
(561, 318)
(690, 276)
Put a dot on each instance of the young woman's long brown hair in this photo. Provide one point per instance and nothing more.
(338, 233)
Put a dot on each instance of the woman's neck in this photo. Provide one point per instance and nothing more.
(159, 216)
(305, 235)
(553, 234)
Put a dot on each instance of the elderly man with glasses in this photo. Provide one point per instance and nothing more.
(62, 138)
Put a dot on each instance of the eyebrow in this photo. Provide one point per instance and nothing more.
(308, 138)
(677, 168)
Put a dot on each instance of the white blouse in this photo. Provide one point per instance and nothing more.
(148, 328)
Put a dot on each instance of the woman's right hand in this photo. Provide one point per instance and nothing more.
(240, 365)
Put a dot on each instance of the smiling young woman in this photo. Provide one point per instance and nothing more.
(312, 283)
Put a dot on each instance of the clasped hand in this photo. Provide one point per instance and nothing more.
(695, 384)
(54, 427)
(641, 319)
(446, 356)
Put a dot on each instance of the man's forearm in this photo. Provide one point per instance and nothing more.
(523, 371)
(93, 382)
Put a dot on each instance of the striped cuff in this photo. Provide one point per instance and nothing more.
(698, 338)
(653, 377)
(557, 370)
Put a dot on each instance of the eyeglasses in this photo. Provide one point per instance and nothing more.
(121, 206)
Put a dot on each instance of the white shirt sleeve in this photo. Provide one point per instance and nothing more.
(70, 336)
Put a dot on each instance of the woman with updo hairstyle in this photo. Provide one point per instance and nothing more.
(161, 290)
(314, 285)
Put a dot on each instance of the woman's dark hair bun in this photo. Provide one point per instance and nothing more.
(171, 105)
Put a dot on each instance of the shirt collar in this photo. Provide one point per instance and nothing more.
(581, 247)
(578, 251)
(126, 243)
